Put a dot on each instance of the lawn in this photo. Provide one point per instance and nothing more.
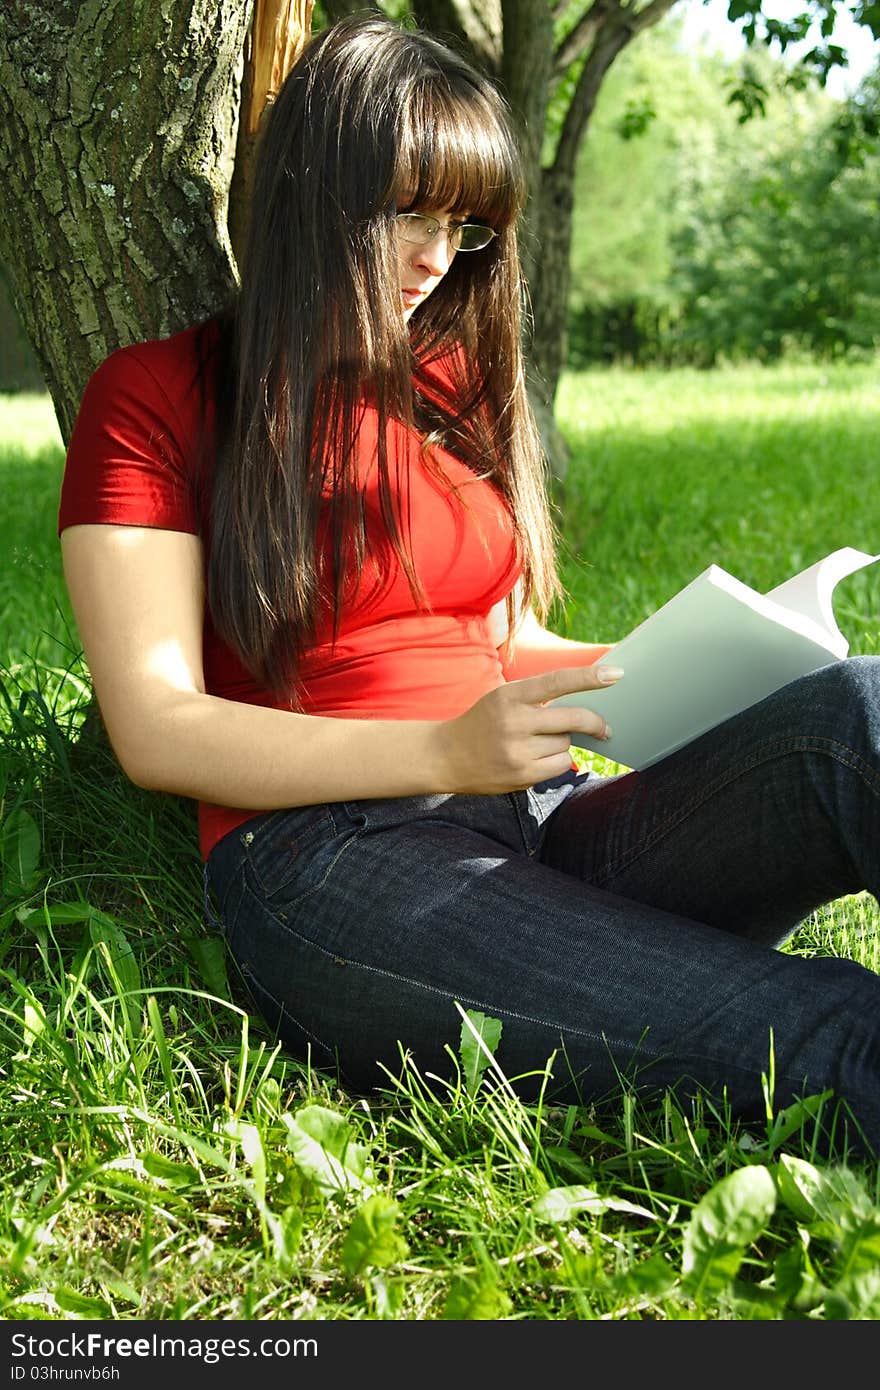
(163, 1160)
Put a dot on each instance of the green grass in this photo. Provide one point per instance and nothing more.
(162, 1160)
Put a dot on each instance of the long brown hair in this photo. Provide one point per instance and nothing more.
(372, 119)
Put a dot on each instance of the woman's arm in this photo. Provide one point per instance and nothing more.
(138, 599)
(535, 650)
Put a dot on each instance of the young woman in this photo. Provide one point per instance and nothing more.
(307, 544)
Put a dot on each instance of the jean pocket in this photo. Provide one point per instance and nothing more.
(291, 852)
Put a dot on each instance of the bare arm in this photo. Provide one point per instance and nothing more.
(138, 599)
(537, 650)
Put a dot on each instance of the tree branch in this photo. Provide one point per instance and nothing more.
(475, 27)
(341, 9)
(579, 39)
(620, 26)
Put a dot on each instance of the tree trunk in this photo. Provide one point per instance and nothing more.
(118, 126)
(608, 29)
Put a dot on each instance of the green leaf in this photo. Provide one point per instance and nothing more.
(255, 1155)
(651, 1278)
(34, 1022)
(835, 1197)
(796, 1281)
(796, 1117)
(474, 1299)
(856, 1298)
(723, 1223)
(389, 1295)
(166, 1170)
(563, 1204)
(801, 1188)
(323, 1144)
(372, 1240)
(106, 933)
(209, 954)
(480, 1037)
(287, 1231)
(19, 852)
(55, 914)
(79, 1306)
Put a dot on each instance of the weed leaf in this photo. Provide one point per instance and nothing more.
(856, 1298)
(723, 1223)
(796, 1281)
(166, 1170)
(796, 1117)
(372, 1240)
(19, 851)
(79, 1306)
(833, 1198)
(255, 1155)
(209, 954)
(107, 934)
(473, 1299)
(480, 1037)
(563, 1204)
(34, 1022)
(55, 914)
(389, 1295)
(287, 1231)
(323, 1145)
(801, 1187)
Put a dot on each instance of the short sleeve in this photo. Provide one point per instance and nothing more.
(132, 455)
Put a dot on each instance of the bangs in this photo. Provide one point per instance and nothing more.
(455, 152)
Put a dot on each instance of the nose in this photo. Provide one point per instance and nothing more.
(436, 256)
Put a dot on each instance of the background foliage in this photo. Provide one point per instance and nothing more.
(700, 236)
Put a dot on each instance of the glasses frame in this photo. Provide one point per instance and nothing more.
(432, 226)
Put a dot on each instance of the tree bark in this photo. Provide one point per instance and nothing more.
(118, 125)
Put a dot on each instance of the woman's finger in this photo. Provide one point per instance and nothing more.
(568, 680)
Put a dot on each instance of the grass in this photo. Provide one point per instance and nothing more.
(163, 1160)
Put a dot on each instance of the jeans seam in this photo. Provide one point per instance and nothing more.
(530, 849)
(248, 974)
(430, 989)
(764, 754)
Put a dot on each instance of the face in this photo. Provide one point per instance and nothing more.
(423, 267)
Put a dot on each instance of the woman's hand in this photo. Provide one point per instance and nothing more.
(512, 738)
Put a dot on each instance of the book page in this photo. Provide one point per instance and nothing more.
(810, 592)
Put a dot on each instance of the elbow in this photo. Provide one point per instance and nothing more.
(138, 766)
(141, 759)
(144, 776)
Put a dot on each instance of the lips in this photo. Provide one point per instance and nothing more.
(412, 297)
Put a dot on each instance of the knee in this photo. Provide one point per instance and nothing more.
(848, 693)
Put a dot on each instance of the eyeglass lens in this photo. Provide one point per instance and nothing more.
(463, 236)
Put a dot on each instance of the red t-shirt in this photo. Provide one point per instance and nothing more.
(134, 459)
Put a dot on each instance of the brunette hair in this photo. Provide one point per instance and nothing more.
(373, 119)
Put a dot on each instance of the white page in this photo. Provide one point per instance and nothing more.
(810, 592)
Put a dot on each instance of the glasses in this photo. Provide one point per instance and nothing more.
(462, 236)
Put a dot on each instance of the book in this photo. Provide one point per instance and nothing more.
(714, 649)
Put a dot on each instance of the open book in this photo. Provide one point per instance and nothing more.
(712, 650)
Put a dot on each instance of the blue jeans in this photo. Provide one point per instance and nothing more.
(627, 924)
